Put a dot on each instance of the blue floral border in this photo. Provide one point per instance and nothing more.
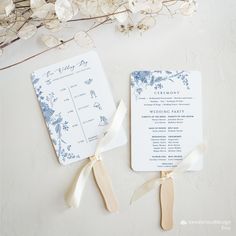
(143, 79)
(55, 123)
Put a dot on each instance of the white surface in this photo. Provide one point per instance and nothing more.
(33, 183)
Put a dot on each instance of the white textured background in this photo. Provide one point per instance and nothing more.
(32, 183)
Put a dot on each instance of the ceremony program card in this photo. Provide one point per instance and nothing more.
(77, 106)
(166, 122)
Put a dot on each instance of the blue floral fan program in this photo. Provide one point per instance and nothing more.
(55, 123)
(140, 80)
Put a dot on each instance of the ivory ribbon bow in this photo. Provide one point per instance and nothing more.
(75, 193)
(188, 162)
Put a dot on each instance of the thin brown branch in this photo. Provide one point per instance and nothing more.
(21, 6)
(15, 2)
(166, 4)
(97, 17)
(78, 19)
(26, 21)
(49, 49)
(73, 20)
(35, 55)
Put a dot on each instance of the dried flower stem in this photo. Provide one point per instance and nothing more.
(22, 7)
(49, 49)
(97, 17)
(20, 1)
(73, 20)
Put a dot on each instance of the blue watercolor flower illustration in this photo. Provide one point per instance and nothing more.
(88, 81)
(103, 121)
(47, 111)
(143, 79)
(55, 123)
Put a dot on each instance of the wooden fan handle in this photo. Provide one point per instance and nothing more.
(166, 202)
(104, 183)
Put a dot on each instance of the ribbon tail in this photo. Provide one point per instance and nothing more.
(113, 129)
(74, 194)
(190, 160)
(145, 188)
(183, 166)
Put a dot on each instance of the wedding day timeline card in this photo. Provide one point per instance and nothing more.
(77, 106)
(166, 122)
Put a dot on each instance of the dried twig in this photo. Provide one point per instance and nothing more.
(49, 49)
(23, 13)
(73, 20)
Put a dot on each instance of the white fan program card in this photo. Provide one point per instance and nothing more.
(166, 120)
(77, 106)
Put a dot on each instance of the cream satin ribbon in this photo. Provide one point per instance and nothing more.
(188, 162)
(74, 195)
